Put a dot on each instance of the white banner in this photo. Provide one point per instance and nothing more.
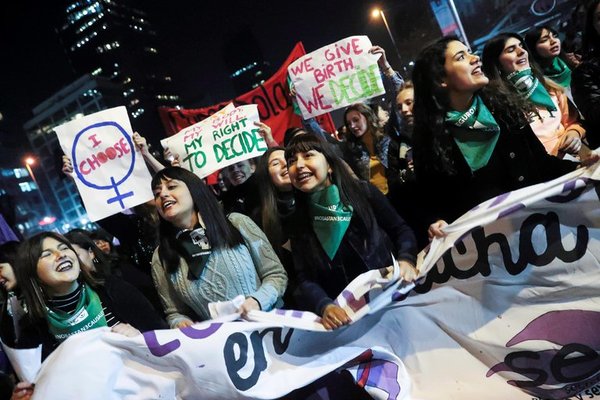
(509, 309)
(336, 76)
(226, 137)
(109, 171)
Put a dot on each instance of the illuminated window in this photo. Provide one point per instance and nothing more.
(20, 172)
(27, 186)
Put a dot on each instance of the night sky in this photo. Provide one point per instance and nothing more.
(34, 66)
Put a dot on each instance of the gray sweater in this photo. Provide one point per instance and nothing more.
(252, 270)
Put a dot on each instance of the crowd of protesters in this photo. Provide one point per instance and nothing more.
(292, 228)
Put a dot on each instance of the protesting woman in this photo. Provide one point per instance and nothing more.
(545, 46)
(342, 228)
(552, 117)
(204, 256)
(470, 143)
(63, 299)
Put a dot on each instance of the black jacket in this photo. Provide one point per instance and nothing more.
(585, 85)
(320, 280)
(518, 160)
(125, 302)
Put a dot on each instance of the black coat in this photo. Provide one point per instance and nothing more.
(585, 85)
(126, 303)
(320, 280)
(518, 160)
(243, 199)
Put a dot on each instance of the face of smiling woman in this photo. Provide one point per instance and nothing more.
(57, 268)
(175, 204)
(309, 171)
(514, 57)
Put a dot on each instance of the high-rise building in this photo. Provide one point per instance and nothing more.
(244, 60)
(115, 40)
(60, 198)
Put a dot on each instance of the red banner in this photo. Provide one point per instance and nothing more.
(272, 97)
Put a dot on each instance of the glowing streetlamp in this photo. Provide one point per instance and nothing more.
(376, 12)
(29, 161)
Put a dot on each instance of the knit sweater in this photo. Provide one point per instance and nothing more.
(251, 269)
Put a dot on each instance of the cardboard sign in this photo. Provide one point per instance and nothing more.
(109, 171)
(226, 137)
(336, 76)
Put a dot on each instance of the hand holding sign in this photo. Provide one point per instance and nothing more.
(335, 76)
(108, 174)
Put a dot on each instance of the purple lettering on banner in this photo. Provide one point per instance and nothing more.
(354, 303)
(380, 374)
(297, 314)
(194, 333)
(499, 199)
(570, 191)
(511, 210)
(157, 349)
(279, 311)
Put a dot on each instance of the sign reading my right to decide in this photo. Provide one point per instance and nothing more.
(336, 76)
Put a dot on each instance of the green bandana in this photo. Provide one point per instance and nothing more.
(559, 72)
(330, 218)
(475, 132)
(88, 315)
(529, 87)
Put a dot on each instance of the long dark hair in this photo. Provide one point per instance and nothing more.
(221, 233)
(27, 276)
(531, 38)
(8, 255)
(351, 191)
(591, 38)
(493, 70)
(432, 144)
(103, 263)
(269, 216)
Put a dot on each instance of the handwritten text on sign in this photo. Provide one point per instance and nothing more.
(109, 174)
(335, 76)
(218, 141)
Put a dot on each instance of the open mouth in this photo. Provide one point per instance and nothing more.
(285, 173)
(167, 204)
(64, 266)
(237, 176)
(555, 49)
(477, 71)
(522, 61)
(303, 177)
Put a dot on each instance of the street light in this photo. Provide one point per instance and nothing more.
(29, 161)
(376, 13)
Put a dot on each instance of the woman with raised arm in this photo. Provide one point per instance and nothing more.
(205, 256)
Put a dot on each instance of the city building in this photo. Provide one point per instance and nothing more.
(60, 198)
(21, 202)
(244, 61)
(115, 40)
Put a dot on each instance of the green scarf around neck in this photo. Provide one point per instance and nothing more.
(88, 315)
(475, 132)
(330, 218)
(559, 72)
(530, 88)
